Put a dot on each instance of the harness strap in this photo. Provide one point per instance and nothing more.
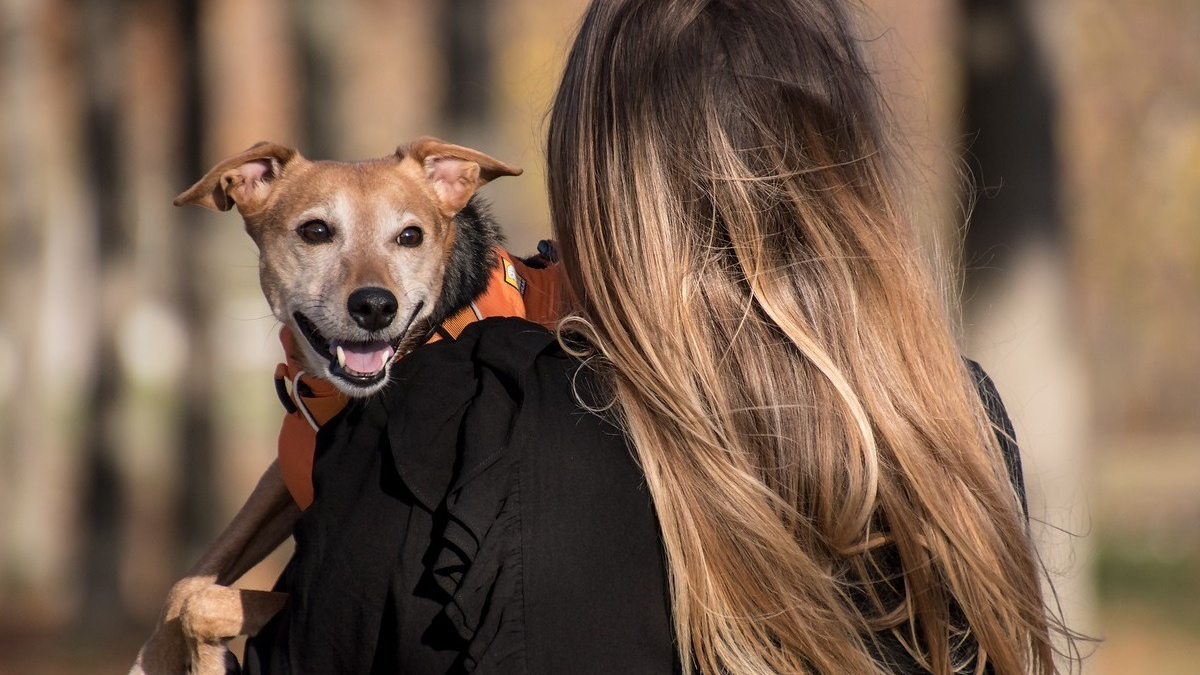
(311, 402)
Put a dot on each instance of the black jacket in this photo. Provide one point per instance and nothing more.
(474, 518)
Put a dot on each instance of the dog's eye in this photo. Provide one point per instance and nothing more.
(315, 232)
(410, 237)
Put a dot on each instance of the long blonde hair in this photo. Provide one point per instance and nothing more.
(825, 476)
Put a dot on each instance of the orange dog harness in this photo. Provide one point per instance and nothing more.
(514, 289)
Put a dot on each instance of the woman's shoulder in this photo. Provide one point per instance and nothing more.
(504, 393)
(543, 488)
(502, 364)
(505, 344)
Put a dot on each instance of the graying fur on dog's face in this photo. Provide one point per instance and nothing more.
(353, 255)
(364, 209)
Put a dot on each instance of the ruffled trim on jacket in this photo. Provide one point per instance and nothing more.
(453, 449)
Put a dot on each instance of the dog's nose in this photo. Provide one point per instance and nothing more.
(372, 308)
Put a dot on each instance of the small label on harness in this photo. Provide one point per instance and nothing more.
(512, 278)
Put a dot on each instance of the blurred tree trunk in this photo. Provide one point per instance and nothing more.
(1011, 112)
(47, 234)
(101, 25)
(198, 506)
(466, 39)
(153, 340)
(1023, 304)
(20, 248)
(317, 38)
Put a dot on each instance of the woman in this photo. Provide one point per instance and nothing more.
(753, 447)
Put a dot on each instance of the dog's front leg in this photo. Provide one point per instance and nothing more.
(212, 616)
(262, 524)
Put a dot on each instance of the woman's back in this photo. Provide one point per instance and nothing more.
(746, 281)
(492, 523)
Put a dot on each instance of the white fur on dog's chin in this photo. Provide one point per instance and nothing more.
(310, 358)
(354, 390)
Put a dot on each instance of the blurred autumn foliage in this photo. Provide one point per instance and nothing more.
(1131, 127)
(136, 409)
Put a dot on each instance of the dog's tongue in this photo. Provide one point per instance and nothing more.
(364, 358)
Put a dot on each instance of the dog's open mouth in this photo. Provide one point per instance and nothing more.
(361, 363)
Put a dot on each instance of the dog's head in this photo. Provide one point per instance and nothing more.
(352, 255)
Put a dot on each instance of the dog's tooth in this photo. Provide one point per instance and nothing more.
(341, 356)
(383, 359)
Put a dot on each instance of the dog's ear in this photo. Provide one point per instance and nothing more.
(243, 180)
(454, 172)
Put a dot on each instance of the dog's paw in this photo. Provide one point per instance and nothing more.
(214, 659)
(166, 652)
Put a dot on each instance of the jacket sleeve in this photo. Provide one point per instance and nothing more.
(1003, 427)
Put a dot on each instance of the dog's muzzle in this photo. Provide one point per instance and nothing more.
(362, 364)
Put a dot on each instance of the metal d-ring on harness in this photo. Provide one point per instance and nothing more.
(291, 395)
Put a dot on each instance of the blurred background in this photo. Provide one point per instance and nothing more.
(136, 403)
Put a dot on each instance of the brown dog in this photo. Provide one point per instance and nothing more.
(361, 261)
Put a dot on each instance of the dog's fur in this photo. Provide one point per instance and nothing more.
(361, 260)
(339, 260)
